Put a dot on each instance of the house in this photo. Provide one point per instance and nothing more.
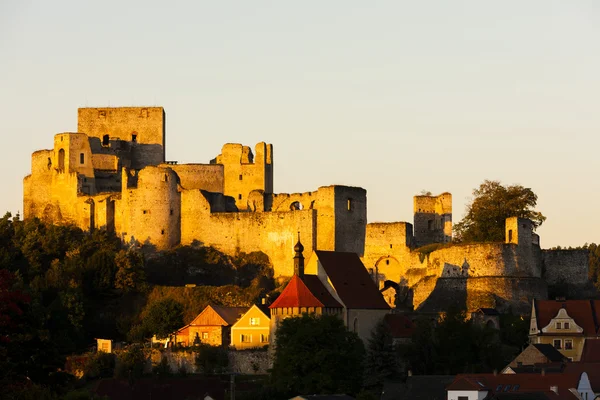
(212, 326)
(515, 386)
(565, 324)
(252, 329)
(334, 283)
(534, 358)
(401, 327)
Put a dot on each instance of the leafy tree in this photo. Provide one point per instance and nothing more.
(100, 365)
(382, 359)
(317, 354)
(130, 271)
(131, 363)
(212, 359)
(492, 204)
(163, 317)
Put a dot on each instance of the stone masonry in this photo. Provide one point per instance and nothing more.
(113, 175)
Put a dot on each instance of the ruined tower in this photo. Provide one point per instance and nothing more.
(433, 219)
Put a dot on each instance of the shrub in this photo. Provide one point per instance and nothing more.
(212, 359)
(131, 363)
(100, 365)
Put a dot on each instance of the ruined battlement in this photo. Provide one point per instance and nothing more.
(112, 175)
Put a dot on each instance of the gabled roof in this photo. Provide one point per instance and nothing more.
(580, 310)
(518, 383)
(591, 351)
(400, 325)
(296, 294)
(550, 352)
(316, 287)
(217, 315)
(267, 314)
(351, 280)
(230, 314)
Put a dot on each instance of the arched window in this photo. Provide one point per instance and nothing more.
(61, 160)
(296, 206)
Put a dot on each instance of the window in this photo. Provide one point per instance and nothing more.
(134, 137)
(558, 325)
(506, 388)
(463, 397)
(241, 177)
(349, 204)
(264, 338)
(145, 211)
(499, 388)
(171, 211)
(105, 140)
(239, 196)
(510, 235)
(557, 344)
(568, 344)
(245, 338)
(254, 321)
(162, 232)
(204, 335)
(515, 388)
(81, 158)
(567, 325)
(390, 246)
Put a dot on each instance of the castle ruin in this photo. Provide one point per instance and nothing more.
(112, 174)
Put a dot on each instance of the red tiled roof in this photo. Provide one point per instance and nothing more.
(316, 287)
(518, 383)
(580, 310)
(591, 368)
(591, 351)
(296, 294)
(400, 325)
(351, 280)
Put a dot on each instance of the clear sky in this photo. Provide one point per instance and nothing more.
(393, 96)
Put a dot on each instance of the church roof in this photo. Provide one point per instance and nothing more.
(296, 294)
(351, 280)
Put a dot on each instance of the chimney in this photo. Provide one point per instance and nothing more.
(299, 259)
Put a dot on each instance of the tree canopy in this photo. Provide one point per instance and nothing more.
(492, 204)
(317, 354)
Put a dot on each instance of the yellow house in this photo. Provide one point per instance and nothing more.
(212, 326)
(252, 329)
(564, 324)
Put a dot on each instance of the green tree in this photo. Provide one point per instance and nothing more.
(130, 271)
(382, 359)
(163, 317)
(492, 204)
(317, 354)
(212, 359)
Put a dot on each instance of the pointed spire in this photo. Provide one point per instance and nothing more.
(299, 258)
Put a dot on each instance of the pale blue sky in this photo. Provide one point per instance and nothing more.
(392, 96)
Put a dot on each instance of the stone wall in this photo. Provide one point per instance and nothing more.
(566, 266)
(273, 233)
(152, 211)
(200, 176)
(245, 362)
(432, 219)
(144, 127)
(433, 294)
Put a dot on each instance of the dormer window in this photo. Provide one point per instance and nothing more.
(567, 325)
(558, 325)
